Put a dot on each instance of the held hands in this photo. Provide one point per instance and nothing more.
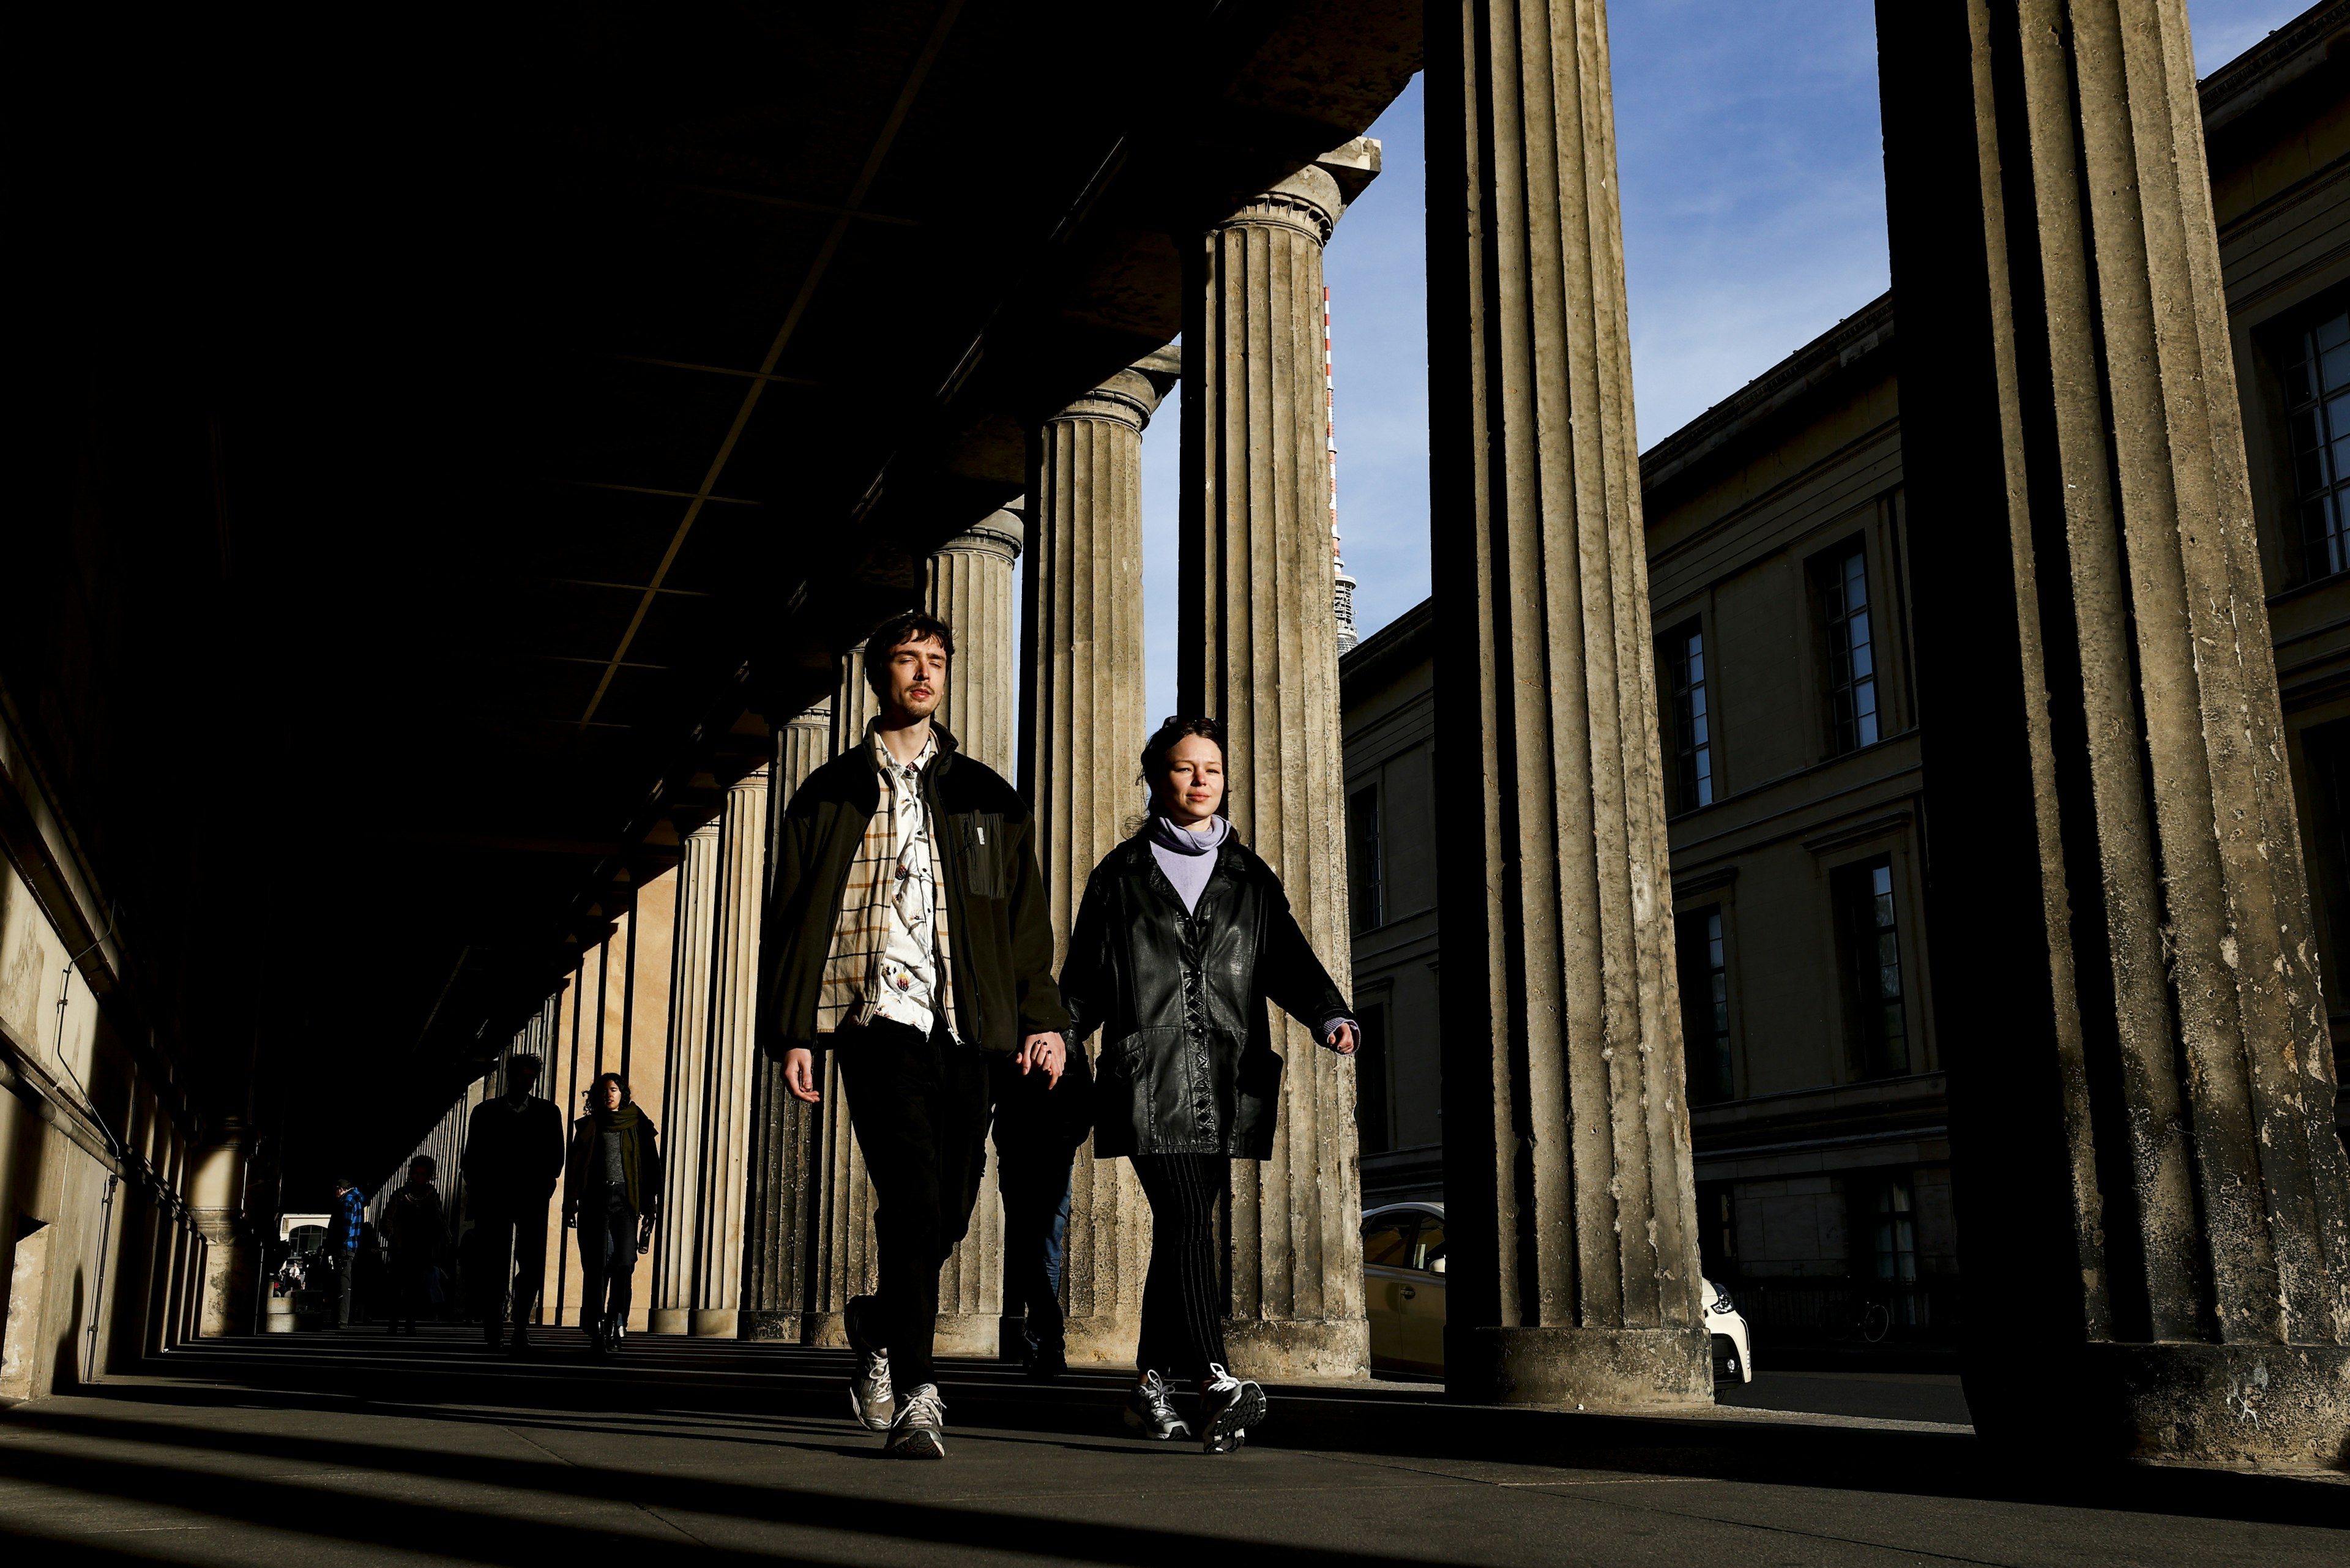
(1046, 1053)
(645, 1236)
(1344, 1040)
(799, 1073)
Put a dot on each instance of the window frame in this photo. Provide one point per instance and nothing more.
(1366, 863)
(1831, 576)
(1864, 1007)
(1712, 927)
(1690, 788)
(2292, 344)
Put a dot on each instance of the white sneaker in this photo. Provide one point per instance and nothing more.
(870, 1398)
(1229, 1406)
(918, 1433)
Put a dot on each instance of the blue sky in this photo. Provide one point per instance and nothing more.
(1754, 194)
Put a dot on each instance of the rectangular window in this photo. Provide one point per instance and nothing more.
(1893, 1230)
(1705, 1005)
(1852, 653)
(1716, 1230)
(1692, 735)
(1371, 1094)
(1365, 872)
(2317, 415)
(1872, 950)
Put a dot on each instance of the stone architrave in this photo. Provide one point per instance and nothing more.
(782, 1187)
(1083, 719)
(1260, 652)
(1571, 1222)
(685, 1091)
(2144, 1118)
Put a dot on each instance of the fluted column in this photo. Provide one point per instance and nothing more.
(2145, 1114)
(1571, 1219)
(685, 1087)
(783, 1181)
(1260, 652)
(974, 588)
(1084, 718)
(231, 1248)
(726, 1109)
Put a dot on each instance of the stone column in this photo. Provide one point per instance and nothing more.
(685, 1089)
(725, 1130)
(974, 586)
(1082, 718)
(1571, 1218)
(231, 1248)
(1260, 652)
(2144, 1116)
(783, 1189)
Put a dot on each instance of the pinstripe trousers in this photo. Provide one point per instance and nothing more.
(1182, 1300)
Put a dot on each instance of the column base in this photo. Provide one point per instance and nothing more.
(714, 1322)
(668, 1320)
(1300, 1350)
(1580, 1369)
(976, 1334)
(770, 1327)
(2282, 1406)
(1104, 1341)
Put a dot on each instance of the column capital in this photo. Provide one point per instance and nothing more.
(1001, 533)
(1312, 199)
(1133, 396)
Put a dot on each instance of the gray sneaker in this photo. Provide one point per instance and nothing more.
(1150, 1412)
(1229, 1406)
(870, 1398)
(918, 1431)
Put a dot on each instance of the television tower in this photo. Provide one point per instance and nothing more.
(1342, 586)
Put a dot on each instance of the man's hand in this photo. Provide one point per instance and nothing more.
(1046, 1053)
(1344, 1040)
(799, 1073)
(644, 1235)
(571, 1220)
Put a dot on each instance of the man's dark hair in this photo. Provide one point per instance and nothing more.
(431, 1165)
(596, 1089)
(1173, 730)
(907, 626)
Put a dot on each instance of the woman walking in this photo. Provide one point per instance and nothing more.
(611, 1192)
(1183, 938)
(418, 1234)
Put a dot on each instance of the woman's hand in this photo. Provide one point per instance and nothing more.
(1046, 1053)
(1344, 1040)
(799, 1073)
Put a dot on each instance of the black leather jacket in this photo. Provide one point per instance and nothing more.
(1187, 1064)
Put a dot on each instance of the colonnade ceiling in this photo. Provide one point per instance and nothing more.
(488, 432)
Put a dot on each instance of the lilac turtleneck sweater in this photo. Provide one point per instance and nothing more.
(1187, 857)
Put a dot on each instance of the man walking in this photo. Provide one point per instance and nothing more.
(514, 1152)
(343, 1245)
(908, 936)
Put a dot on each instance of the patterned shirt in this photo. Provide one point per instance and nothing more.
(890, 949)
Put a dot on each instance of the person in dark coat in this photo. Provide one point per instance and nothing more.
(418, 1234)
(611, 1196)
(514, 1153)
(343, 1228)
(1183, 936)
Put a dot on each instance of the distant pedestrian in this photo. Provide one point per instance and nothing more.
(611, 1193)
(910, 937)
(514, 1153)
(1038, 1126)
(343, 1227)
(1183, 936)
(419, 1233)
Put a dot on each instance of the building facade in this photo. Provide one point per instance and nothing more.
(1780, 585)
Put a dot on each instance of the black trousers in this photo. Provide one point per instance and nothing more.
(1038, 1127)
(518, 1231)
(1183, 1299)
(919, 1106)
(411, 1291)
(607, 1257)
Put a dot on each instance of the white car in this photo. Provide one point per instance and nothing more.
(1403, 1291)
(1733, 1351)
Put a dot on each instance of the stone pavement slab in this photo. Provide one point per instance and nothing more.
(349, 1450)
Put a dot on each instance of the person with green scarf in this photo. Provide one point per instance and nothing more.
(611, 1196)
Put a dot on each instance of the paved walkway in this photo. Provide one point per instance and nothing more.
(364, 1449)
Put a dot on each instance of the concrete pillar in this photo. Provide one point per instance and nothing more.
(1571, 1219)
(783, 1188)
(685, 1094)
(2144, 1113)
(232, 1246)
(1260, 652)
(1083, 717)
